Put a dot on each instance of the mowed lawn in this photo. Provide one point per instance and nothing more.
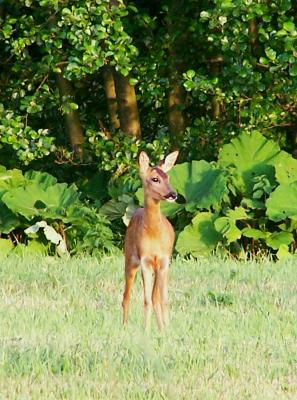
(232, 335)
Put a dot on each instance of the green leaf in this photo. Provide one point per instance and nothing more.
(282, 203)
(227, 4)
(252, 203)
(200, 237)
(35, 246)
(8, 220)
(289, 26)
(227, 228)
(264, 61)
(237, 213)
(73, 106)
(114, 209)
(278, 239)
(293, 70)
(139, 194)
(253, 233)
(200, 183)
(251, 155)
(133, 81)
(258, 194)
(170, 209)
(10, 178)
(189, 85)
(270, 53)
(34, 200)
(283, 252)
(289, 225)
(43, 179)
(6, 246)
(285, 168)
(190, 73)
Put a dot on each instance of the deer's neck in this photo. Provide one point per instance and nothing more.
(152, 213)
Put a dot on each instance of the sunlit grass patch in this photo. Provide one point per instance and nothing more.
(232, 334)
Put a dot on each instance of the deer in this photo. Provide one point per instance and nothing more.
(149, 242)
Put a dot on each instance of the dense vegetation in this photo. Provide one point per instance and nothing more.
(86, 84)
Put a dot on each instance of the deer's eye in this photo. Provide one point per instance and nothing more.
(155, 179)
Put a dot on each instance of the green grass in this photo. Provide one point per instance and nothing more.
(233, 332)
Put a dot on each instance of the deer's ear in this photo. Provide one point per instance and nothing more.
(169, 161)
(144, 163)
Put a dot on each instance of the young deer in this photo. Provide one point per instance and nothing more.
(149, 241)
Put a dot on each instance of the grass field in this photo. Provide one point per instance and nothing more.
(233, 332)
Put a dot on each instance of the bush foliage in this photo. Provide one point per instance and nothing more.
(40, 214)
(86, 85)
(252, 209)
(244, 203)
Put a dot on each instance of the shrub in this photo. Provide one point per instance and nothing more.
(245, 202)
(47, 216)
(249, 206)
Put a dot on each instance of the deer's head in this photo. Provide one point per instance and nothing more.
(155, 179)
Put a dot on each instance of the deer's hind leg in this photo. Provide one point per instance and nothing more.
(164, 296)
(147, 278)
(131, 267)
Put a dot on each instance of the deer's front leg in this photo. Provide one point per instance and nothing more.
(147, 278)
(163, 284)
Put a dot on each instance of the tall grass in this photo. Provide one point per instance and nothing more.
(232, 335)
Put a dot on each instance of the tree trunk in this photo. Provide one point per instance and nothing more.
(127, 106)
(177, 93)
(216, 103)
(176, 102)
(71, 118)
(111, 98)
(253, 33)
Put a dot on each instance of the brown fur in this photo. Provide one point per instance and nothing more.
(149, 242)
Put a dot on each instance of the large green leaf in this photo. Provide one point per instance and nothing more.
(115, 209)
(282, 203)
(10, 179)
(43, 179)
(200, 183)
(59, 198)
(286, 168)
(251, 155)
(8, 220)
(32, 200)
(200, 237)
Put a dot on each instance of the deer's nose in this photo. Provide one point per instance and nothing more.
(171, 196)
